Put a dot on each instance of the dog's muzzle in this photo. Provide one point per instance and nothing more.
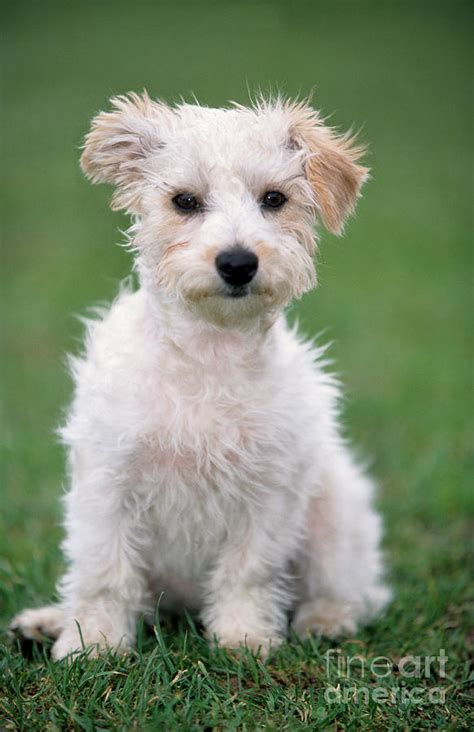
(237, 268)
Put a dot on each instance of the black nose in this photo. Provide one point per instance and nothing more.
(237, 266)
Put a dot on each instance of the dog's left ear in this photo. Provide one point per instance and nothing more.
(116, 148)
(331, 165)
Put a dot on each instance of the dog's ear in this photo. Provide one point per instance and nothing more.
(119, 143)
(331, 165)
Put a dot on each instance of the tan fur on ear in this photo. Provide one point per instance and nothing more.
(331, 165)
(118, 143)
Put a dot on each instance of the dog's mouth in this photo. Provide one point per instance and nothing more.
(236, 291)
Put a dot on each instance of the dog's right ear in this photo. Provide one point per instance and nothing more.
(118, 144)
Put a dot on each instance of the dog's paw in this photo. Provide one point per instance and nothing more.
(38, 624)
(71, 643)
(324, 617)
(263, 646)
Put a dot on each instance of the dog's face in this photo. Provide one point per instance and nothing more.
(225, 200)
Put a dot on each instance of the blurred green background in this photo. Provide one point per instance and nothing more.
(394, 293)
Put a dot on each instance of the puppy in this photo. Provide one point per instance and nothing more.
(206, 462)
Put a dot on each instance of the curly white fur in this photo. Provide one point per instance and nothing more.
(206, 463)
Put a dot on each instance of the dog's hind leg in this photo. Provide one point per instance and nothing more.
(36, 624)
(341, 565)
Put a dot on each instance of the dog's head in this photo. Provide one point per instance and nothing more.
(225, 200)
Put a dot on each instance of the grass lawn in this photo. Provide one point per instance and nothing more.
(394, 297)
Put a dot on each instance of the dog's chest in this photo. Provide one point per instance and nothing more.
(206, 428)
(208, 451)
(212, 442)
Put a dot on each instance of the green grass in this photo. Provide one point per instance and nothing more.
(394, 297)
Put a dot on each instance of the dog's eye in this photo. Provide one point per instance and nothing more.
(273, 199)
(186, 202)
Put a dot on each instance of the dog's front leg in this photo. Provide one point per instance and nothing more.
(104, 588)
(246, 596)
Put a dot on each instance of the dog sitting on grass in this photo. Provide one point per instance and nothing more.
(206, 461)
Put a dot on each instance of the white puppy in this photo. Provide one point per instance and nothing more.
(206, 462)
